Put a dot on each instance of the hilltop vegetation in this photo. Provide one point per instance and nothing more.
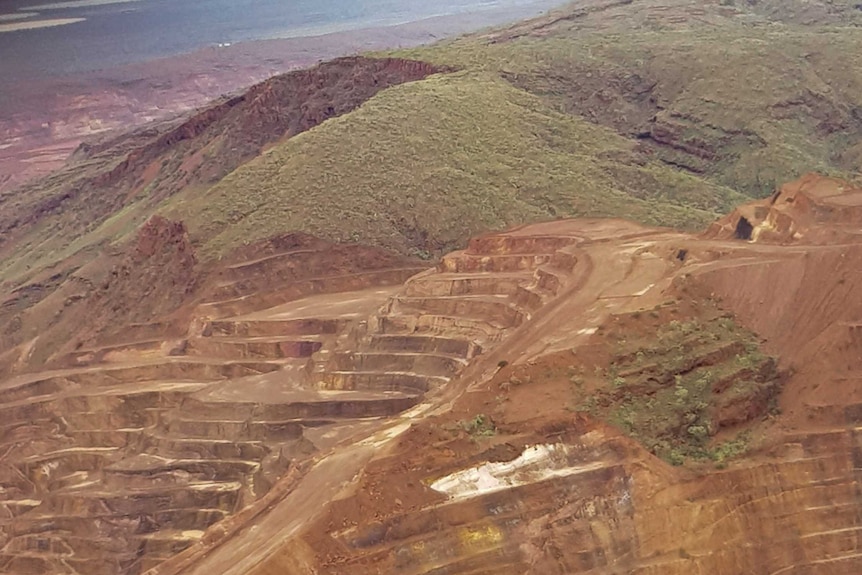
(713, 90)
(663, 112)
(443, 159)
(112, 185)
(668, 112)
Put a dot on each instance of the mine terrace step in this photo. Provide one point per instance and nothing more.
(434, 364)
(464, 262)
(31, 564)
(71, 452)
(142, 466)
(236, 430)
(247, 290)
(155, 491)
(140, 345)
(125, 403)
(471, 283)
(499, 309)
(14, 507)
(65, 544)
(255, 347)
(390, 381)
(192, 518)
(51, 471)
(98, 421)
(206, 448)
(88, 525)
(480, 331)
(123, 437)
(36, 388)
(118, 352)
(518, 244)
(310, 406)
(244, 296)
(163, 369)
(167, 542)
(424, 343)
(75, 480)
(97, 500)
(277, 327)
(22, 428)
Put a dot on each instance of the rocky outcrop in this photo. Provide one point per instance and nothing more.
(812, 210)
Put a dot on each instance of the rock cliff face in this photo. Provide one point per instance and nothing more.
(811, 210)
(523, 407)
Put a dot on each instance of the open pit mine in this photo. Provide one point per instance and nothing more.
(328, 410)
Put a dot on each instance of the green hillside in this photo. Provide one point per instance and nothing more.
(716, 91)
(666, 113)
(423, 166)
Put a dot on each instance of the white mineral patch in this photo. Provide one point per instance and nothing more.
(536, 463)
(78, 4)
(383, 437)
(35, 24)
(17, 16)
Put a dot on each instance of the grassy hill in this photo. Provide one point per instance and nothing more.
(717, 91)
(112, 185)
(425, 165)
(664, 112)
